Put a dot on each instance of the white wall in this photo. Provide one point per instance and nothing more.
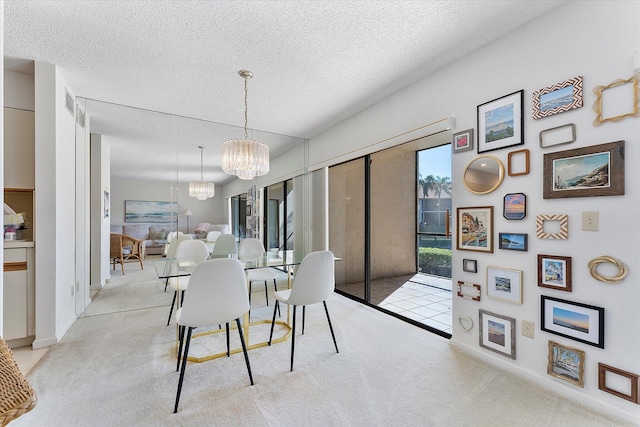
(592, 39)
(18, 90)
(100, 182)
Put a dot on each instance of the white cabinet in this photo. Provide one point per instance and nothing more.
(19, 291)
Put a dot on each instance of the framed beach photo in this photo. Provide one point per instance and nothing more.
(497, 333)
(514, 206)
(475, 229)
(504, 284)
(554, 272)
(501, 122)
(583, 172)
(462, 141)
(577, 321)
(557, 98)
(566, 363)
(513, 241)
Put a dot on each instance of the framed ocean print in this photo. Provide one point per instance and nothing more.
(497, 333)
(574, 320)
(462, 141)
(501, 122)
(554, 272)
(148, 211)
(504, 284)
(513, 241)
(475, 229)
(566, 363)
(560, 97)
(597, 170)
(514, 206)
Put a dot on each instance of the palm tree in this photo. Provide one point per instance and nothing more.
(427, 184)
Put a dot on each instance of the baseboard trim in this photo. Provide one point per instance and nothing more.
(44, 342)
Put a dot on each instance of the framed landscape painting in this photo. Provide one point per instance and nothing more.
(475, 229)
(577, 321)
(554, 272)
(501, 122)
(566, 363)
(513, 241)
(148, 211)
(504, 284)
(497, 333)
(557, 98)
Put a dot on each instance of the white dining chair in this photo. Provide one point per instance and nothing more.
(225, 245)
(212, 236)
(188, 253)
(171, 249)
(217, 294)
(314, 282)
(252, 249)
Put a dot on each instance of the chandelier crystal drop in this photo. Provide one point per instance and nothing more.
(245, 158)
(201, 190)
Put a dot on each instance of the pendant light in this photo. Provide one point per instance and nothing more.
(245, 158)
(201, 190)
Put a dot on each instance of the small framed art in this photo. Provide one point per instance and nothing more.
(470, 265)
(518, 163)
(617, 100)
(554, 272)
(462, 141)
(514, 206)
(501, 122)
(566, 363)
(562, 231)
(620, 383)
(497, 333)
(559, 135)
(574, 320)
(468, 290)
(475, 229)
(563, 96)
(513, 241)
(504, 284)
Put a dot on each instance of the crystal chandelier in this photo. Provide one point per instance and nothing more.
(243, 157)
(201, 190)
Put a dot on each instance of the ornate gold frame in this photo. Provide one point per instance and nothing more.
(597, 105)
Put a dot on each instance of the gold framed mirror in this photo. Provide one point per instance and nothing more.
(483, 175)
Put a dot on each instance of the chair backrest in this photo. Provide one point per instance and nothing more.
(315, 279)
(172, 234)
(212, 236)
(192, 250)
(217, 293)
(225, 245)
(250, 249)
(115, 245)
(173, 245)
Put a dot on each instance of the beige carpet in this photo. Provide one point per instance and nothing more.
(119, 370)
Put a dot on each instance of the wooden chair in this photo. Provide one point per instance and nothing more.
(124, 248)
(16, 395)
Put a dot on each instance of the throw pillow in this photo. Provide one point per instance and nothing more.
(155, 234)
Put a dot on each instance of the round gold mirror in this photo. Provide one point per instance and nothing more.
(483, 175)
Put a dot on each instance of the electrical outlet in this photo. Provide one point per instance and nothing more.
(590, 221)
(527, 328)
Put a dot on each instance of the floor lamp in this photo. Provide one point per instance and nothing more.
(187, 213)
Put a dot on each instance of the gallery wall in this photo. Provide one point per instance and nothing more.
(558, 46)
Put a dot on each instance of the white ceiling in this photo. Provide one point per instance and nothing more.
(316, 62)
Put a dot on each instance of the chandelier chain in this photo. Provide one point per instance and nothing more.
(246, 106)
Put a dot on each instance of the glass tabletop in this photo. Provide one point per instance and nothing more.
(173, 267)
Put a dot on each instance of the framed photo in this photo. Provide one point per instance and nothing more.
(518, 163)
(566, 363)
(513, 241)
(619, 383)
(504, 284)
(470, 265)
(501, 122)
(583, 172)
(462, 141)
(146, 211)
(580, 322)
(475, 229)
(559, 135)
(497, 333)
(554, 272)
(514, 206)
(468, 290)
(557, 98)
(617, 100)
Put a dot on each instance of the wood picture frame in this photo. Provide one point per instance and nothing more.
(468, 290)
(501, 122)
(554, 272)
(515, 159)
(470, 265)
(475, 229)
(462, 141)
(497, 333)
(573, 320)
(504, 284)
(566, 363)
(513, 241)
(559, 135)
(617, 94)
(597, 170)
(514, 206)
(632, 393)
(563, 231)
(557, 98)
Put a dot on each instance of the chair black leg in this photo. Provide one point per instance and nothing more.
(173, 302)
(275, 288)
(330, 327)
(266, 294)
(273, 321)
(293, 336)
(250, 287)
(166, 282)
(304, 310)
(181, 337)
(227, 325)
(181, 298)
(184, 366)
(244, 350)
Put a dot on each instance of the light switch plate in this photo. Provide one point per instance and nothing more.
(590, 220)
(527, 328)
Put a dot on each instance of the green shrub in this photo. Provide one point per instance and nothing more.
(435, 261)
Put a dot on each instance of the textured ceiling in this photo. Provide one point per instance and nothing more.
(315, 62)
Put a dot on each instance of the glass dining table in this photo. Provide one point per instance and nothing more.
(255, 331)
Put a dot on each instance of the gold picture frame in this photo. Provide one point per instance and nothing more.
(566, 363)
(625, 91)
